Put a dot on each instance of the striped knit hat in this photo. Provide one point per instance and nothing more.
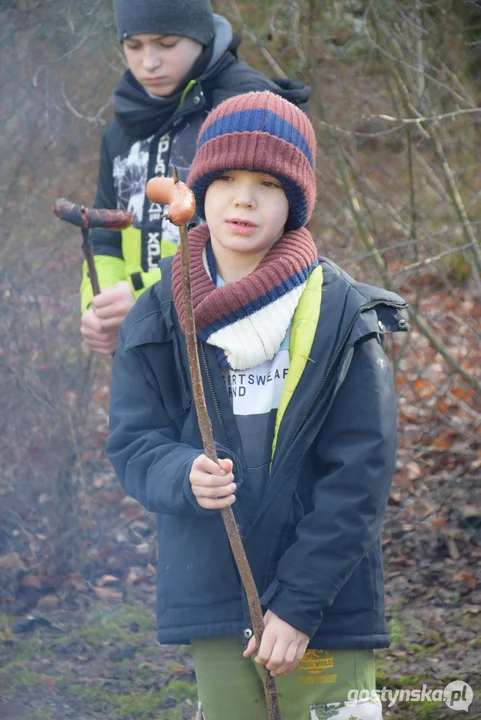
(260, 132)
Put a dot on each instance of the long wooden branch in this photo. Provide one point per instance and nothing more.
(205, 426)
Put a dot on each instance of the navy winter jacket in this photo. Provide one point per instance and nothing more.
(314, 540)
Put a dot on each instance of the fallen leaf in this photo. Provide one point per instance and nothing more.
(467, 578)
(474, 609)
(452, 548)
(107, 580)
(442, 443)
(12, 561)
(47, 602)
(132, 513)
(142, 548)
(108, 593)
(49, 680)
(128, 500)
(31, 581)
(77, 581)
(413, 470)
(134, 576)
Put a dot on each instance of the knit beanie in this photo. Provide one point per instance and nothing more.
(190, 18)
(260, 132)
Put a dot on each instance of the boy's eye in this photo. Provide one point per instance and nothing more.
(271, 184)
(224, 177)
(168, 43)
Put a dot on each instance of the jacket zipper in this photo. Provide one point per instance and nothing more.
(333, 363)
(214, 396)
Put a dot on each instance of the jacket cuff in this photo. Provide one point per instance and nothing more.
(281, 601)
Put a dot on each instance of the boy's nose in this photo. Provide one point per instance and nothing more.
(244, 198)
(150, 60)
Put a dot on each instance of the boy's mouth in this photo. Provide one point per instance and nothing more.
(160, 80)
(241, 223)
(238, 226)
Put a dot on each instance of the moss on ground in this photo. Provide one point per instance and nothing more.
(121, 624)
(25, 679)
(110, 666)
(143, 704)
(89, 667)
(414, 663)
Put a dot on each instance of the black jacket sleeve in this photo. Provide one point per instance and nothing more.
(106, 242)
(356, 452)
(152, 466)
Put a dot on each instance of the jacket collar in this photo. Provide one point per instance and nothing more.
(150, 320)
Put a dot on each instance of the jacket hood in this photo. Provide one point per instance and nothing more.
(294, 91)
(391, 310)
(370, 293)
(141, 114)
(224, 40)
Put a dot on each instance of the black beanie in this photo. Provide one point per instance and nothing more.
(189, 18)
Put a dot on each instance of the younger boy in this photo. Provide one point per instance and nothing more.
(303, 409)
(182, 62)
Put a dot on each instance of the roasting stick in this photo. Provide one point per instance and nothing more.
(181, 201)
(86, 218)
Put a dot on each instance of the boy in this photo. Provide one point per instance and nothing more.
(182, 62)
(302, 404)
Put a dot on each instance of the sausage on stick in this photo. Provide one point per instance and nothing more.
(86, 218)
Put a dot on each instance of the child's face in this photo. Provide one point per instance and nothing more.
(246, 212)
(160, 62)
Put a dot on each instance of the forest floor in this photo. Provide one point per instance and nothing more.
(83, 646)
(80, 643)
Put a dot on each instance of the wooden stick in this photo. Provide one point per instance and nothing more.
(205, 426)
(89, 257)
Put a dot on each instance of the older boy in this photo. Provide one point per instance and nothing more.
(182, 62)
(303, 409)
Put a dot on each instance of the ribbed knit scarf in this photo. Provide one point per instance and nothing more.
(246, 320)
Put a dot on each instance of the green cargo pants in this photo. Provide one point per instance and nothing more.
(230, 686)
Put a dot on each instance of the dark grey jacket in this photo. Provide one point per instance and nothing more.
(314, 540)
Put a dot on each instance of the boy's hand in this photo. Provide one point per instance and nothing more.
(100, 323)
(213, 485)
(113, 304)
(282, 646)
(98, 339)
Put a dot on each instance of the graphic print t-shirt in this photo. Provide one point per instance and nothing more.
(255, 395)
